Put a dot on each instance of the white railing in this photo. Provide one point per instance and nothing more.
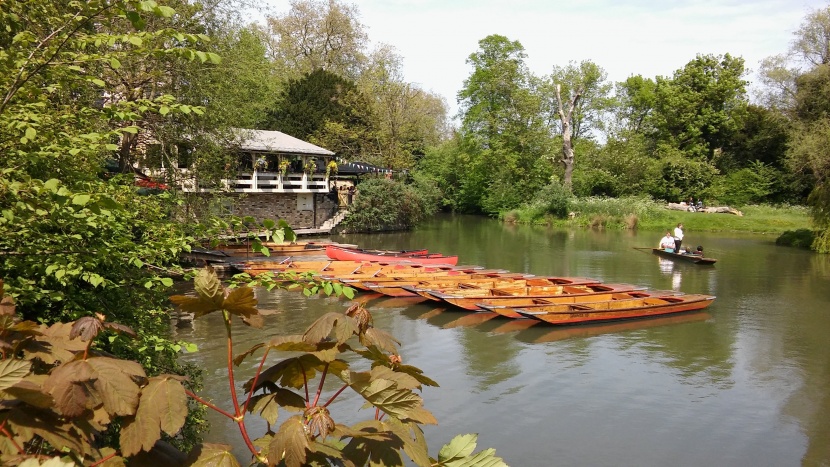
(257, 182)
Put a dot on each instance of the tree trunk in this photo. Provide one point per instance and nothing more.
(566, 117)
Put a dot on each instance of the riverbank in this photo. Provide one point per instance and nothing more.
(633, 213)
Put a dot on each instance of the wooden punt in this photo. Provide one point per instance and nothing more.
(691, 258)
(403, 288)
(507, 306)
(331, 267)
(613, 310)
(280, 249)
(362, 280)
(552, 286)
(469, 300)
(417, 256)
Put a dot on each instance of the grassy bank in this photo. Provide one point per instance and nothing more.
(644, 214)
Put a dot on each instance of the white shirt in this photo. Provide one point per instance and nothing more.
(678, 233)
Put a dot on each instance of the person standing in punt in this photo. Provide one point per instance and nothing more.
(678, 237)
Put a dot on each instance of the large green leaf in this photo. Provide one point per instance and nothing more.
(461, 446)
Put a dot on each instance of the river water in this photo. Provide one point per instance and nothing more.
(744, 383)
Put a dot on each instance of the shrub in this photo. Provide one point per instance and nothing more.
(383, 204)
(801, 238)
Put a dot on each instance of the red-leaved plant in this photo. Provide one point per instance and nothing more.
(58, 394)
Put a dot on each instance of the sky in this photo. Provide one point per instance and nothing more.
(624, 37)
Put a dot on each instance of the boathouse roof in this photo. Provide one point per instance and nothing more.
(277, 141)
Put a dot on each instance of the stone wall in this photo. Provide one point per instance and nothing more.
(285, 206)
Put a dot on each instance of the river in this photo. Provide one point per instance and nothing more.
(745, 383)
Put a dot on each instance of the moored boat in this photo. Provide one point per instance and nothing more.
(397, 287)
(470, 301)
(301, 248)
(417, 256)
(331, 267)
(361, 280)
(617, 309)
(425, 287)
(507, 306)
(551, 285)
(689, 257)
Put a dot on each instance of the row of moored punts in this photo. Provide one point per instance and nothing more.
(552, 299)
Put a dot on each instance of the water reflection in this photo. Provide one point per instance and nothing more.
(742, 384)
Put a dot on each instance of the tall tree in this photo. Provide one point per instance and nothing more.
(798, 85)
(74, 244)
(502, 128)
(635, 101)
(407, 119)
(576, 96)
(317, 34)
(701, 107)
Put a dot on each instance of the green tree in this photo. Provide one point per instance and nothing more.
(504, 138)
(798, 86)
(74, 244)
(702, 106)
(406, 119)
(307, 103)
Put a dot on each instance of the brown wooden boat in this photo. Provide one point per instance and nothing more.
(330, 266)
(411, 288)
(612, 310)
(387, 282)
(507, 306)
(469, 299)
(302, 248)
(552, 286)
(360, 280)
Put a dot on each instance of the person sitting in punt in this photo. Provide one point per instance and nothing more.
(667, 242)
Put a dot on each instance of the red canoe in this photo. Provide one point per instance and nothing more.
(414, 256)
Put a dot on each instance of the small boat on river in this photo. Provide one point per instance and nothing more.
(301, 248)
(364, 280)
(613, 310)
(472, 301)
(416, 256)
(333, 267)
(689, 257)
(552, 286)
(403, 288)
(507, 306)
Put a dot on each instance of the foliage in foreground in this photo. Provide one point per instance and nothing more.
(58, 393)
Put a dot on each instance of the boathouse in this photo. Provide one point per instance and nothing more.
(278, 177)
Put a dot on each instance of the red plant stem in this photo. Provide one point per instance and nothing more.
(335, 395)
(253, 384)
(5, 431)
(239, 416)
(103, 460)
(320, 386)
(208, 404)
(305, 385)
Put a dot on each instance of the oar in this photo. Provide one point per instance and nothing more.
(643, 248)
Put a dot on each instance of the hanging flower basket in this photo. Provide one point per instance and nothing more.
(284, 165)
(310, 167)
(331, 168)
